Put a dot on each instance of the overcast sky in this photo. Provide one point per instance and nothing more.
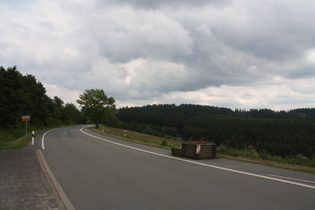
(227, 53)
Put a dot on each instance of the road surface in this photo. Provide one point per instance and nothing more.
(100, 172)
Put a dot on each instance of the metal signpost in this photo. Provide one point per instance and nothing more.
(26, 118)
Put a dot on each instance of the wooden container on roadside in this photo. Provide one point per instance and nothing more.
(196, 150)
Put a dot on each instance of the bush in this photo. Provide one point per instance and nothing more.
(248, 152)
(164, 143)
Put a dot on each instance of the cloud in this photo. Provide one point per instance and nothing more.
(225, 53)
(166, 3)
(123, 34)
(66, 95)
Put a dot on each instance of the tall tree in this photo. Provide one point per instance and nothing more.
(24, 95)
(71, 114)
(58, 108)
(97, 106)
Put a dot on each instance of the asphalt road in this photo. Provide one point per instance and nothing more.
(98, 172)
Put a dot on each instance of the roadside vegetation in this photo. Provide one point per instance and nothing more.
(17, 139)
(12, 139)
(136, 137)
(249, 155)
(296, 163)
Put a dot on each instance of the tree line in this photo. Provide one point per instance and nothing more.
(24, 95)
(281, 133)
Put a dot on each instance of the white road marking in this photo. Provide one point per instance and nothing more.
(285, 177)
(43, 139)
(203, 164)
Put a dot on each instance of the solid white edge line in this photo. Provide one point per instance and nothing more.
(203, 164)
(43, 139)
(285, 177)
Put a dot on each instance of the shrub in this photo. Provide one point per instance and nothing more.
(164, 143)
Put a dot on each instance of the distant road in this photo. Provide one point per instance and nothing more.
(98, 172)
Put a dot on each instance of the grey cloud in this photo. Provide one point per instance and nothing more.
(273, 33)
(124, 34)
(162, 3)
(146, 50)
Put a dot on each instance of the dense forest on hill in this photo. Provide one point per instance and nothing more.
(24, 95)
(281, 133)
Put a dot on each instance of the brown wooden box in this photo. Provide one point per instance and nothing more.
(207, 150)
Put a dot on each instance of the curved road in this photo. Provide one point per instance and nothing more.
(100, 172)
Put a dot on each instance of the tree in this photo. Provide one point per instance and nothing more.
(71, 114)
(97, 106)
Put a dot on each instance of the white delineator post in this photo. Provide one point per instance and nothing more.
(33, 136)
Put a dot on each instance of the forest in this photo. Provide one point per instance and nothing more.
(24, 95)
(279, 133)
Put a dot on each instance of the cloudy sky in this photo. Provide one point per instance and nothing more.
(228, 53)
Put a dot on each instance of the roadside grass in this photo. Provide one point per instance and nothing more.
(296, 163)
(16, 139)
(16, 144)
(270, 163)
(136, 137)
(13, 139)
(249, 155)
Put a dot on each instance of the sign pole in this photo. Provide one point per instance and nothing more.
(26, 118)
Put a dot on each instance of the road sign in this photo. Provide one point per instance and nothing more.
(26, 118)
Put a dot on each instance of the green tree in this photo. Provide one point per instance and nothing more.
(58, 108)
(97, 106)
(71, 114)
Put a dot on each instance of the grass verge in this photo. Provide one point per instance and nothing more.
(270, 163)
(139, 138)
(16, 139)
(296, 163)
